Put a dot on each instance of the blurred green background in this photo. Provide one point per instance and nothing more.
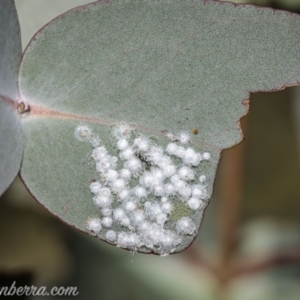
(248, 246)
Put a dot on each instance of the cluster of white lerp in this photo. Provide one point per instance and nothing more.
(139, 185)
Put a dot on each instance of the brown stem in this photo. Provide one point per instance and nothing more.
(253, 265)
(198, 258)
(231, 192)
(8, 100)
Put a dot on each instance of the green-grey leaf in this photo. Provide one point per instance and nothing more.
(162, 66)
(11, 138)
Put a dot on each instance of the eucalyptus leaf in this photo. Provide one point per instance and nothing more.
(11, 137)
(157, 68)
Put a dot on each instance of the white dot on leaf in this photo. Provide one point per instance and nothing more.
(127, 154)
(125, 174)
(185, 226)
(83, 133)
(106, 211)
(184, 137)
(195, 203)
(119, 214)
(122, 144)
(111, 236)
(99, 153)
(95, 187)
(118, 185)
(142, 144)
(140, 192)
(206, 156)
(202, 178)
(134, 165)
(94, 225)
(130, 206)
(111, 175)
(172, 148)
(102, 201)
(107, 222)
(124, 194)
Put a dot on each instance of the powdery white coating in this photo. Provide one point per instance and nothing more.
(202, 178)
(125, 222)
(168, 170)
(111, 235)
(171, 136)
(168, 242)
(206, 156)
(197, 191)
(169, 190)
(184, 137)
(185, 226)
(99, 153)
(102, 201)
(161, 219)
(147, 204)
(179, 185)
(159, 190)
(155, 154)
(103, 165)
(119, 214)
(122, 131)
(83, 133)
(106, 211)
(137, 217)
(172, 149)
(141, 170)
(127, 154)
(124, 195)
(152, 236)
(167, 207)
(105, 192)
(132, 240)
(130, 206)
(134, 165)
(118, 185)
(153, 210)
(142, 144)
(122, 239)
(147, 179)
(158, 175)
(180, 152)
(94, 141)
(106, 163)
(95, 187)
(93, 225)
(164, 199)
(185, 192)
(174, 179)
(191, 158)
(122, 144)
(195, 203)
(125, 174)
(107, 222)
(111, 175)
(186, 173)
(140, 192)
(144, 226)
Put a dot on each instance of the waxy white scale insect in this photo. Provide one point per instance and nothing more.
(139, 185)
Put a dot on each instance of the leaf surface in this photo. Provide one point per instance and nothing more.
(161, 67)
(11, 137)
